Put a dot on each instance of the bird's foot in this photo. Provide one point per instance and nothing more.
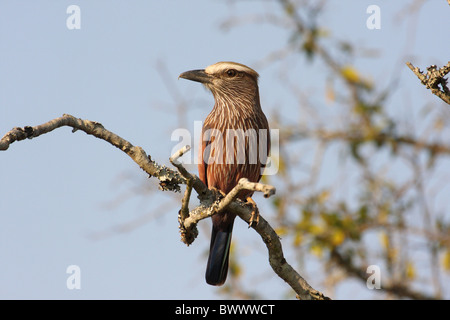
(217, 191)
(255, 212)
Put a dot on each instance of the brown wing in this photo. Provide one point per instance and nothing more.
(202, 165)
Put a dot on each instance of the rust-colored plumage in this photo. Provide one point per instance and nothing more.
(235, 144)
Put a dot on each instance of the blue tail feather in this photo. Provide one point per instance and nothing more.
(217, 267)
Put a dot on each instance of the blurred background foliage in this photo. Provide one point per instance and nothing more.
(378, 206)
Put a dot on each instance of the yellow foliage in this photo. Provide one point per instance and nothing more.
(350, 74)
(235, 268)
(316, 229)
(392, 254)
(323, 196)
(410, 270)
(281, 231)
(383, 214)
(281, 165)
(446, 260)
(298, 239)
(316, 250)
(337, 237)
(384, 239)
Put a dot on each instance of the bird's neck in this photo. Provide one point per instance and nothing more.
(237, 105)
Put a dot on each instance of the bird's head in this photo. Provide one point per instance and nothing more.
(227, 80)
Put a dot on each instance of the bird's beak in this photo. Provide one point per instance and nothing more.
(196, 75)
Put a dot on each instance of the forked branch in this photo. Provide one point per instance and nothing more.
(211, 202)
(434, 80)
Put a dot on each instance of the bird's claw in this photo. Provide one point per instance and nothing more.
(252, 218)
(255, 212)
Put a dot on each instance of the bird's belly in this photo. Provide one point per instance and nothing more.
(226, 176)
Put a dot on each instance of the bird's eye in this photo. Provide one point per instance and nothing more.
(231, 73)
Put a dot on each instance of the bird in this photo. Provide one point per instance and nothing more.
(227, 150)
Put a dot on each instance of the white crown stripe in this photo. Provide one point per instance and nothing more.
(220, 67)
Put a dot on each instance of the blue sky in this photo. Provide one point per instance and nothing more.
(66, 197)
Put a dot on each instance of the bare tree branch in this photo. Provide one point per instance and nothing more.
(396, 288)
(434, 80)
(211, 201)
(355, 136)
(169, 179)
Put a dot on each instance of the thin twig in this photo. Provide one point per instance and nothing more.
(188, 235)
(244, 184)
(184, 212)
